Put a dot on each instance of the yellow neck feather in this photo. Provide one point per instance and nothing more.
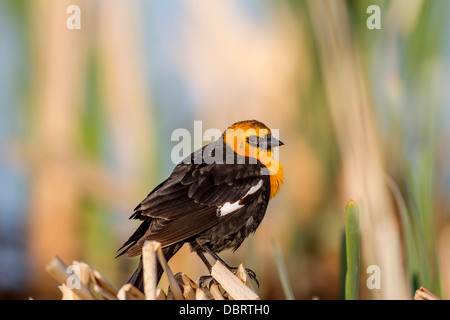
(276, 180)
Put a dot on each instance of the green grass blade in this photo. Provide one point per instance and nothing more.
(282, 272)
(343, 267)
(352, 250)
(413, 261)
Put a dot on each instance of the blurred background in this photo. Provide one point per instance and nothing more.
(86, 118)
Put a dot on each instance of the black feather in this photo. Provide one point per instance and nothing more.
(184, 208)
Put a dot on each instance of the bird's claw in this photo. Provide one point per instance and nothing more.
(205, 281)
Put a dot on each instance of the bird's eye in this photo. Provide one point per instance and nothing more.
(253, 141)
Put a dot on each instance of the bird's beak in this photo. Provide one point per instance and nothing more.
(275, 142)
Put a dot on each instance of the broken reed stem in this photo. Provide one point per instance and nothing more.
(215, 291)
(242, 274)
(130, 292)
(160, 294)
(58, 270)
(81, 281)
(232, 284)
(102, 282)
(176, 290)
(425, 294)
(201, 294)
(149, 264)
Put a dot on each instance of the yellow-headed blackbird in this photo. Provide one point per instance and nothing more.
(213, 199)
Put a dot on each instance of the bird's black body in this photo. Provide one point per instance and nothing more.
(213, 204)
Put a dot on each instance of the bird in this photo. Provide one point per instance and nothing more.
(213, 199)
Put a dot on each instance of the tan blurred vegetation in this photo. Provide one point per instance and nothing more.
(338, 92)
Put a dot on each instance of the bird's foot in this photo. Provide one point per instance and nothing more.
(205, 281)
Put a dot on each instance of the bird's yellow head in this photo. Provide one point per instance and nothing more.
(253, 139)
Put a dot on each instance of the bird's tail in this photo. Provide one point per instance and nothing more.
(137, 279)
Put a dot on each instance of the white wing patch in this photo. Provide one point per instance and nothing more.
(229, 207)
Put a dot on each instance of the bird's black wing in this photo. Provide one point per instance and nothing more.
(189, 201)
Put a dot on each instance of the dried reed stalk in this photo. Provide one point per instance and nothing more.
(130, 292)
(160, 294)
(102, 285)
(58, 270)
(149, 263)
(176, 290)
(425, 294)
(202, 294)
(215, 291)
(91, 284)
(244, 277)
(232, 284)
